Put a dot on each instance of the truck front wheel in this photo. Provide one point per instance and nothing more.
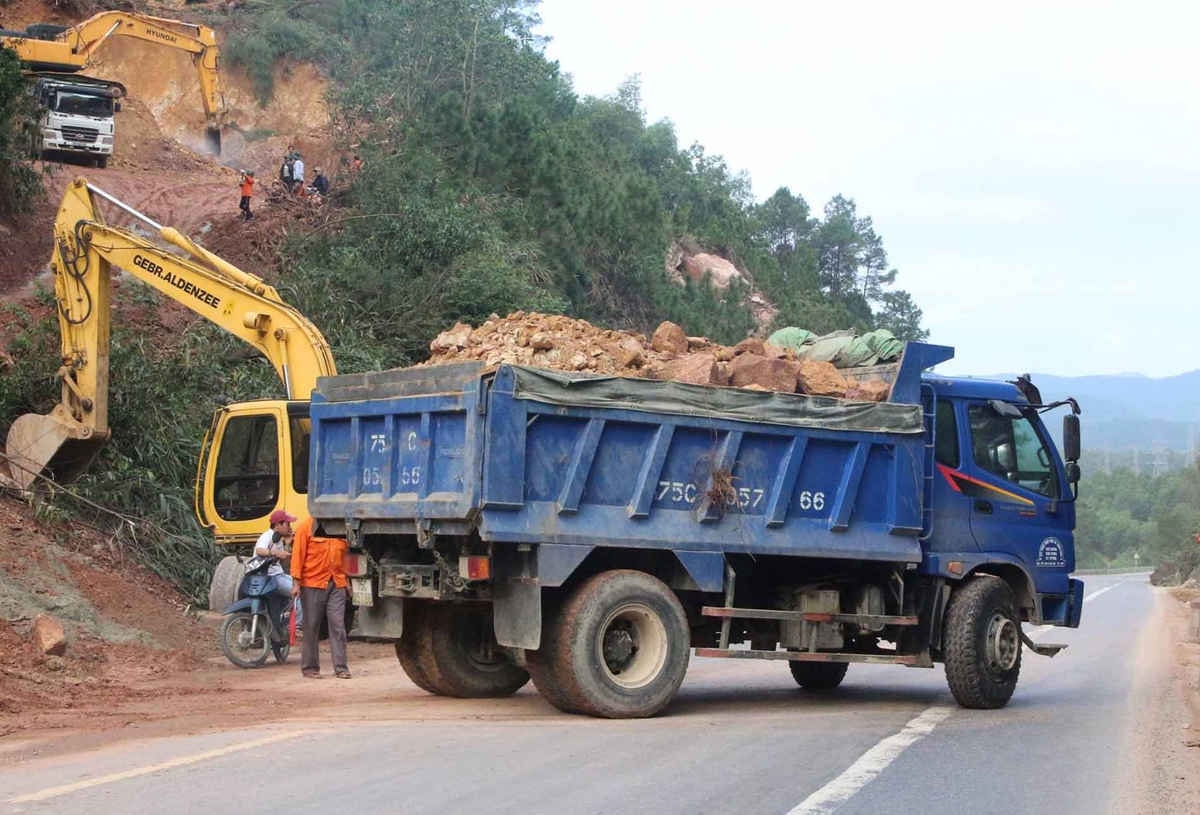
(455, 654)
(982, 643)
(621, 646)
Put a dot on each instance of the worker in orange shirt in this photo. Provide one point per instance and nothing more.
(247, 185)
(319, 579)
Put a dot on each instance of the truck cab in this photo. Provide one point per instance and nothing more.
(76, 117)
(1000, 498)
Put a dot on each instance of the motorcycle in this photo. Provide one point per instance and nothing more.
(256, 625)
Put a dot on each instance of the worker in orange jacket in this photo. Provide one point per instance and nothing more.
(247, 185)
(319, 575)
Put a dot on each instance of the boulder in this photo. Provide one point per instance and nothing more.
(453, 339)
(873, 390)
(630, 353)
(669, 339)
(694, 369)
(772, 374)
(49, 636)
(750, 345)
(818, 378)
(722, 271)
(723, 374)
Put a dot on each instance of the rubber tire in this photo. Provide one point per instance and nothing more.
(973, 682)
(228, 650)
(818, 676)
(222, 589)
(443, 646)
(408, 644)
(579, 674)
(541, 666)
(102, 162)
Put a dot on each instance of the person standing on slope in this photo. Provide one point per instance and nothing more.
(298, 174)
(247, 186)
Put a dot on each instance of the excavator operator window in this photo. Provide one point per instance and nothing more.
(246, 485)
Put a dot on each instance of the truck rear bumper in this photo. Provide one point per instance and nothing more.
(1063, 609)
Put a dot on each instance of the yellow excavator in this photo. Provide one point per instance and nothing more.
(255, 456)
(51, 51)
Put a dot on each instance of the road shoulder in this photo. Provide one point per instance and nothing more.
(1162, 747)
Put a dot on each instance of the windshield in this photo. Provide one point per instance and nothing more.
(83, 104)
(1012, 448)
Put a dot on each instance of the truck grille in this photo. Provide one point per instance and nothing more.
(80, 134)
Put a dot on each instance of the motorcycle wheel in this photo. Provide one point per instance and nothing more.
(281, 651)
(237, 644)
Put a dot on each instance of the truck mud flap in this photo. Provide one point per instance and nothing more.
(516, 599)
(382, 621)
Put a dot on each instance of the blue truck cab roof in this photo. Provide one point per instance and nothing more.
(970, 388)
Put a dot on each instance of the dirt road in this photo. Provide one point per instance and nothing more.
(1094, 730)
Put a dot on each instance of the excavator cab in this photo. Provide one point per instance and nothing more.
(254, 461)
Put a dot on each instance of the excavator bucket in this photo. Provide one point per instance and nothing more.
(212, 140)
(44, 445)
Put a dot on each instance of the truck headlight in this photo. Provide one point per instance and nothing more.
(106, 140)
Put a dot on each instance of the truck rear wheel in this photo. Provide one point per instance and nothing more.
(222, 590)
(982, 643)
(541, 665)
(818, 676)
(407, 647)
(455, 653)
(620, 648)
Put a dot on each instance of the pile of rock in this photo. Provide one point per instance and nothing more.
(566, 344)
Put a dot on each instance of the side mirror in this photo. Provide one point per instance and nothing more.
(1072, 472)
(1071, 444)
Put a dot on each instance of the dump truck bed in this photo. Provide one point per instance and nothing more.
(524, 455)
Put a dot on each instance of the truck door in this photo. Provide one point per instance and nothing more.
(257, 462)
(1015, 483)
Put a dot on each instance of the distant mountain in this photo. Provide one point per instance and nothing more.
(1131, 411)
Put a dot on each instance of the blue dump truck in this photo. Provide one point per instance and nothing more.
(590, 532)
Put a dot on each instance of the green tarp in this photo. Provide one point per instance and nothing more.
(677, 398)
(842, 348)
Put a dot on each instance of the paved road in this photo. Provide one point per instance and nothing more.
(740, 738)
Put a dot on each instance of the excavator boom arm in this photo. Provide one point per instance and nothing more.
(73, 49)
(85, 251)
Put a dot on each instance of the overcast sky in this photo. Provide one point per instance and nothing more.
(1033, 168)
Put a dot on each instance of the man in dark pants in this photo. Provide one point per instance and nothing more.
(320, 581)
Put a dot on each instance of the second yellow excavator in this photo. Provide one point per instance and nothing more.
(256, 453)
(53, 53)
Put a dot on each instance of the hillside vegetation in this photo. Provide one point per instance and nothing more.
(489, 185)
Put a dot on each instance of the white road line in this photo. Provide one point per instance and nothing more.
(1099, 592)
(870, 764)
(54, 792)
